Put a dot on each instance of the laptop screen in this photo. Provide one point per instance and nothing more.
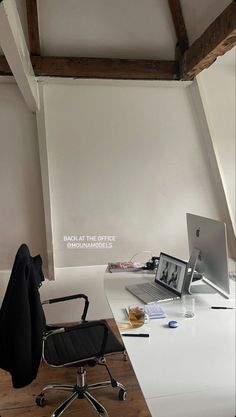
(170, 272)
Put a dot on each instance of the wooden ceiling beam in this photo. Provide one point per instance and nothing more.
(217, 39)
(180, 29)
(99, 68)
(33, 27)
(106, 68)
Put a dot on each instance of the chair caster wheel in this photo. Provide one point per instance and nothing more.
(122, 395)
(40, 400)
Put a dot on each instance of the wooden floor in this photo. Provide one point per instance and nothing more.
(21, 402)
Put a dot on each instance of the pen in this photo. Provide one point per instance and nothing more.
(135, 334)
(222, 308)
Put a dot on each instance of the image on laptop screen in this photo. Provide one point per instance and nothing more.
(171, 272)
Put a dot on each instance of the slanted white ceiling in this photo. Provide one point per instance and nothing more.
(107, 28)
(199, 14)
(118, 28)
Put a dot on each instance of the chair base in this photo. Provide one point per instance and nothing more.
(82, 390)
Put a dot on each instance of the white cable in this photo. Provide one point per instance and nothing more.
(138, 253)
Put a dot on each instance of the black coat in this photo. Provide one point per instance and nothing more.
(22, 320)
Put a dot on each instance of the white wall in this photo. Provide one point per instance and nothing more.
(125, 160)
(219, 85)
(21, 205)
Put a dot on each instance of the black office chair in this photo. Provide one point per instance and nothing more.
(25, 337)
(84, 344)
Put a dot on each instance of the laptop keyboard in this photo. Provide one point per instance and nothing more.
(155, 292)
(150, 293)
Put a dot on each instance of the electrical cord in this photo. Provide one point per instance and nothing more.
(151, 264)
(138, 253)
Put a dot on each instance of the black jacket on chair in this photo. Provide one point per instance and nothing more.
(20, 333)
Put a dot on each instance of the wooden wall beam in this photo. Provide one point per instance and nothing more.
(105, 68)
(180, 29)
(217, 39)
(33, 27)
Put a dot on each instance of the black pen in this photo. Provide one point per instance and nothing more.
(222, 308)
(135, 334)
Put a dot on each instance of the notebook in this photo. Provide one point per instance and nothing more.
(168, 283)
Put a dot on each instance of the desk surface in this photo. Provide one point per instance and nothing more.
(183, 372)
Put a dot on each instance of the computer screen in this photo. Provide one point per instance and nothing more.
(208, 241)
(171, 272)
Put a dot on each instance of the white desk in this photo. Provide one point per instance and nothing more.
(183, 372)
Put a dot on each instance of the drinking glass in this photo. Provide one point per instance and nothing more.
(188, 302)
(136, 316)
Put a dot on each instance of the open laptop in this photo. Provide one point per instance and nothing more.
(168, 283)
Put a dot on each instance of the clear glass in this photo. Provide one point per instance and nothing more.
(188, 302)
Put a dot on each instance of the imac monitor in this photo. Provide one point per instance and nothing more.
(208, 252)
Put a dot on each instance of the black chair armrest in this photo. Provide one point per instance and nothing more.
(97, 323)
(53, 331)
(71, 297)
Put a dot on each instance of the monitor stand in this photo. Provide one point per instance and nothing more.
(208, 287)
(191, 276)
(203, 289)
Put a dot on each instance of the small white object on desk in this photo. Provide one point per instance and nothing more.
(154, 311)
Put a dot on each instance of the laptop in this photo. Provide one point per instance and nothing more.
(168, 284)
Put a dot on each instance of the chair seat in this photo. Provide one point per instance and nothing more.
(79, 344)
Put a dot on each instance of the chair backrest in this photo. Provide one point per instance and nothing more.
(22, 320)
